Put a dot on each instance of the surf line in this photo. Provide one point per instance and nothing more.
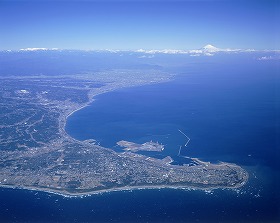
(188, 140)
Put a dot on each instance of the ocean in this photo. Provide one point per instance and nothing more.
(229, 112)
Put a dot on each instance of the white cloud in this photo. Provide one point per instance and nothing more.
(208, 54)
(149, 56)
(208, 50)
(140, 51)
(265, 58)
(36, 49)
(269, 58)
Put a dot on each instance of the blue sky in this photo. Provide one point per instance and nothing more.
(130, 25)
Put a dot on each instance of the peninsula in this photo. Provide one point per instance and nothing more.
(37, 154)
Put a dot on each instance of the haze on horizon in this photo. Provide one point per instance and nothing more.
(132, 25)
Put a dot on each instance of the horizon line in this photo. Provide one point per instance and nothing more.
(206, 49)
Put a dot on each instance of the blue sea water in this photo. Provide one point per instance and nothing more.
(230, 113)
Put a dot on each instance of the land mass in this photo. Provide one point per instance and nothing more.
(147, 146)
(37, 154)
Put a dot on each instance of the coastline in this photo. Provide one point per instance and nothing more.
(64, 114)
(104, 89)
(120, 189)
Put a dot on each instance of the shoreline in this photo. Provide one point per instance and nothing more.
(120, 189)
(91, 98)
(65, 114)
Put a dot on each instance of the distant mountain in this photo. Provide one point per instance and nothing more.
(211, 48)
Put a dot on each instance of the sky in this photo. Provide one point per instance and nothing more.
(132, 24)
